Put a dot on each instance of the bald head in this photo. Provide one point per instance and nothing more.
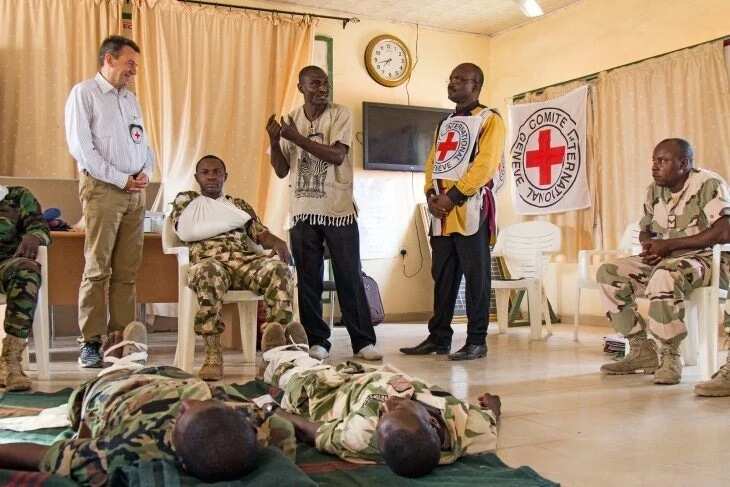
(680, 147)
(315, 86)
(465, 84)
(311, 71)
(671, 163)
(475, 71)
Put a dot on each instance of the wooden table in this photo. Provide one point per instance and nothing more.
(156, 280)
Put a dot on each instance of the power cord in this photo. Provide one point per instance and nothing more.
(418, 240)
(415, 63)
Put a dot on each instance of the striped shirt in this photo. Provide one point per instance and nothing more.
(105, 132)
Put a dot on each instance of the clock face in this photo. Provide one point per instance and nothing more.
(389, 59)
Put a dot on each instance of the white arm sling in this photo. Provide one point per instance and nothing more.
(206, 218)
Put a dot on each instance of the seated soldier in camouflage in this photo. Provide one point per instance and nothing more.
(219, 229)
(368, 415)
(687, 211)
(22, 230)
(134, 414)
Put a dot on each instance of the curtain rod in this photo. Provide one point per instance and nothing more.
(592, 76)
(345, 20)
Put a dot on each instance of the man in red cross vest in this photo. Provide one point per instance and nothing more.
(464, 158)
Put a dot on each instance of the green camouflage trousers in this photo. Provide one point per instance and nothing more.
(666, 285)
(20, 279)
(262, 274)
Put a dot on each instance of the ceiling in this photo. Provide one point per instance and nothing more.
(475, 16)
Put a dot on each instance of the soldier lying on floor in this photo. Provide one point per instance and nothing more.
(132, 413)
(369, 415)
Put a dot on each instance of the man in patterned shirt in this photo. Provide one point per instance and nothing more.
(368, 415)
(22, 230)
(222, 231)
(687, 211)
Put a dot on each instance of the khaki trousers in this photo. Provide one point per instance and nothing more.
(114, 222)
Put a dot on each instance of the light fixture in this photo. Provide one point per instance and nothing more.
(529, 7)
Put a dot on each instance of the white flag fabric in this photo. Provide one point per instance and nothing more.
(548, 155)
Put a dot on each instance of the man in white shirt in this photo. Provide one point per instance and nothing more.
(106, 136)
(312, 147)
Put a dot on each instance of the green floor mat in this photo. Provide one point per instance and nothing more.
(313, 468)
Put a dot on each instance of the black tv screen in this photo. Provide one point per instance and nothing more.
(398, 137)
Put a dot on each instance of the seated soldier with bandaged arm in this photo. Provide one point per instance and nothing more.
(221, 231)
(371, 415)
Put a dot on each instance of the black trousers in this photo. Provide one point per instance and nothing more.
(343, 243)
(455, 256)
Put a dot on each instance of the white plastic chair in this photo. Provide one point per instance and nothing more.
(40, 320)
(702, 317)
(629, 245)
(523, 246)
(247, 302)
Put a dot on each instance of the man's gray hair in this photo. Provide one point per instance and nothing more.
(113, 45)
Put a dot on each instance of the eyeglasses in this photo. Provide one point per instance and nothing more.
(459, 79)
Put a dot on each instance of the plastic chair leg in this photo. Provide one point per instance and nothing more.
(247, 312)
(576, 315)
(534, 297)
(502, 296)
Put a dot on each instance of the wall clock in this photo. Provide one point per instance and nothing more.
(388, 60)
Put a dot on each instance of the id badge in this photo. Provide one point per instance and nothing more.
(136, 132)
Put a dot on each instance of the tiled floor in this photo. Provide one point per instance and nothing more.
(560, 416)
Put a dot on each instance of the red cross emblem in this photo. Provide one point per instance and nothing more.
(135, 131)
(545, 157)
(448, 145)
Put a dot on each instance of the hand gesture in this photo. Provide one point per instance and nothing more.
(28, 247)
(439, 205)
(142, 180)
(289, 130)
(133, 185)
(273, 128)
(654, 250)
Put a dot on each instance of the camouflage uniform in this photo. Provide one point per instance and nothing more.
(702, 201)
(227, 262)
(20, 278)
(128, 417)
(348, 400)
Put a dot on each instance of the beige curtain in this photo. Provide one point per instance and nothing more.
(209, 80)
(683, 94)
(578, 227)
(46, 46)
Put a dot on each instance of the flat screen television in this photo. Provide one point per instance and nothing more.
(398, 137)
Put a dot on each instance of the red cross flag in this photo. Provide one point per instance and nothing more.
(548, 155)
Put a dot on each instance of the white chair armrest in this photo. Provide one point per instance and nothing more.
(585, 259)
(182, 253)
(717, 250)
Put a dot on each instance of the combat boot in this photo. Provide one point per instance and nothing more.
(642, 356)
(670, 370)
(719, 385)
(272, 336)
(11, 371)
(212, 368)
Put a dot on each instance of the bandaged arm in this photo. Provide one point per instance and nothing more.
(206, 218)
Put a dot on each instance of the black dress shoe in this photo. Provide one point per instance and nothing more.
(426, 347)
(469, 352)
